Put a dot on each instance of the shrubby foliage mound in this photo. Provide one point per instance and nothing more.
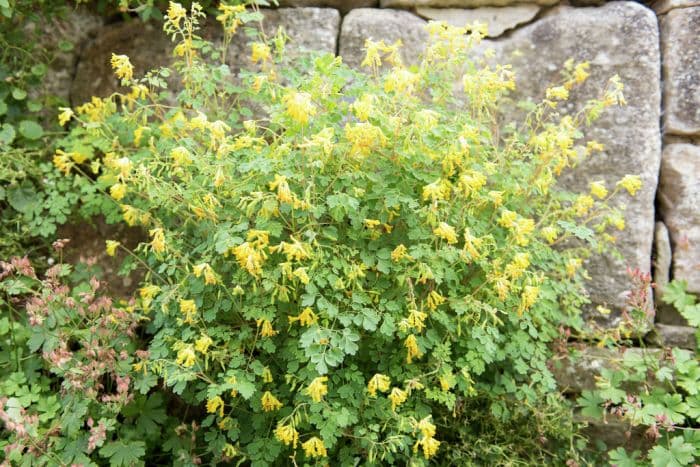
(343, 266)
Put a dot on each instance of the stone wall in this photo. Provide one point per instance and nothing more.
(654, 48)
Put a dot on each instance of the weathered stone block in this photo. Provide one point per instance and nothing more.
(387, 25)
(663, 256)
(619, 38)
(680, 41)
(666, 335)
(342, 5)
(679, 196)
(458, 3)
(664, 6)
(498, 20)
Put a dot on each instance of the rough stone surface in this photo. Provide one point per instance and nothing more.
(342, 5)
(666, 335)
(148, 47)
(308, 29)
(664, 6)
(387, 25)
(498, 20)
(145, 44)
(618, 38)
(77, 27)
(458, 3)
(663, 256)
(679, 196)
(616, 432)
(680, 40)
(579, 373)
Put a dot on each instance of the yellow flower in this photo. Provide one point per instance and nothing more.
(549, 233)
(371, 223)
(65, 115)
(471, 181)
(581, 72)
(186, 356)
(617, 221)
(209, 274)
(62, 161)
(202, 344)
(595, 146)
(412, 350)
(508, 218)
(559, 93)
(118, 191)
(287, 434)
(176, 13)
(631, 183)
(522, 229)
(364, 138)
(362, 107)
(229, 450)
(111, 247)
(438, 190)
(446, 232)
(400, 81)
(429, 445)
(518, 266)
(372, 57)
(397, 397)
(399, 253)
(299, 106)
(267, 375)
(181, 156)
(219, 178)
(598, 189)
(122, 67)
(572, 265)
(158, 240)
(425, 427)
(269, 402)
(496, 198)
(306, 318)
(378, 382)
(300, 273)
(471, 243)
(260, 52)
(528, 298)
(415, 320)
(131, 214)
(284, 194)
(124, 165)
(317, 389)
(149, 291)
(583, 204)
(447, 380)
(214, 404)
(296, 251)
(250, 258)
(266, 329)
(314, 448)
(188, 308)
(434, 300)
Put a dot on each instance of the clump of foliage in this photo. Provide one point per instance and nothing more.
(657, 390)
(342, 267)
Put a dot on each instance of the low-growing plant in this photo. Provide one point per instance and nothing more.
(348, 267)
(657, 390)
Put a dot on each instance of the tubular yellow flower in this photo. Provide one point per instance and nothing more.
(306, 318)
(415, 320)
(471, 181)
(269, 402)
(117, 191)
(266, 329)
(434, 300)
(158, 240)
(229, 450)
(148, 291)
(209, 274)
(299, 106)
(412, 350)
(438, 190)
(631, 183)
(496, 198)
(215, 404)
(378, 382)
(300, 273)
(507, 218)
(124, 165)
(62, 161)
(186, 356)
(267, 375)
(426, 428)
(371, 223)
(176, 13)
(295, 251)
(528, 298)
(181, 156)
(446, 232)
(260, 52)
(583, 204)
(572, 266)
(399, 253)
(558, 93)
(287, 434)
(429, 445)
(522, 229)
(122, 67)
(284, 194)
(581, 72)
(202, 344)
(317, 388)
(111, 247)
(549, 233)
(250, 258)
(363, 107)
(314, 448)
(397, 397)
(472, 243)
(65, 115)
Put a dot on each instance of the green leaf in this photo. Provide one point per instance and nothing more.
(19, 94)
(679, 454)
(23, 198)
(620, 458)
(591, 404)
(7, 134)
(30, 130)
(120, 453)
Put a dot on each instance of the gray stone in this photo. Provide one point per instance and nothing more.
(580, 371)
(618, 38)
(680, 41)
(458, 3)
(387, 25)
(664, 6)
(679, 196)
(666, 335)
(342, 5)
(76, 27)
(663, 256)
(148, 47)
(498, 20)
(615, 431)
